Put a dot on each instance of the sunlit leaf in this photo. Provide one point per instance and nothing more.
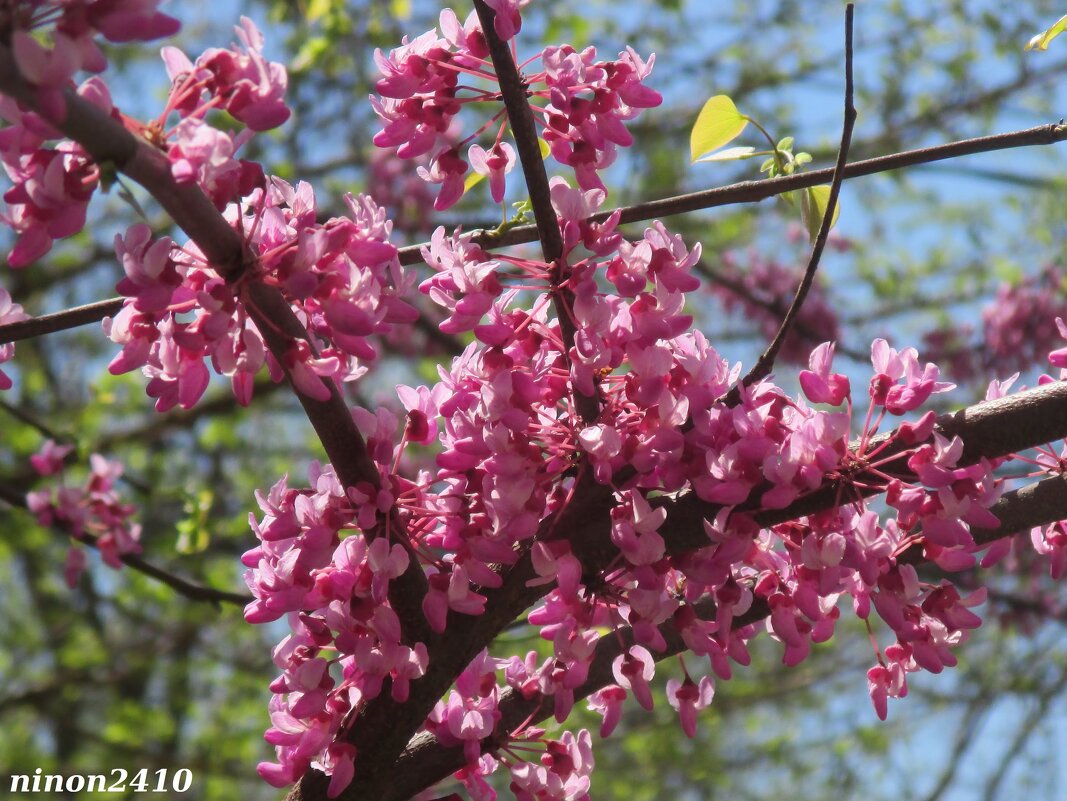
(472, 180)
(813, 203)
(1041, 41)
(718, 123)
(730, 154)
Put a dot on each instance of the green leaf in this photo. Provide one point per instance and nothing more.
(813, 208)
(730, 154)
(472, 181)
(317, 9)
(1041, 41)
(719, 122)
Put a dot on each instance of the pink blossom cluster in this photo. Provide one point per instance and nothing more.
(68, 44)
(52, 186)
(341, 277)
(586, 102)
(506, 434)
(92, 513)
(51, 41)
(761, 289)
(54, 183)
(333, 584)
(238, 80)
(1018, 329)
(509, 446)
(1050, 541)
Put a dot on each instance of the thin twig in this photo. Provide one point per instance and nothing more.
(765, 363)
(60, 321)
(191, 590)
(774, 307)
(755, 191)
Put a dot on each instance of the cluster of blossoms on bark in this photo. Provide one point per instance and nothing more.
(606, 320)
(585, 103)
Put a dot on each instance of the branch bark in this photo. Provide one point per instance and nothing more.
(425, 761)
(765, 363)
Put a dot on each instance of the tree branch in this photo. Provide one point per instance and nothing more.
(743, 192)
(765, 363)
(755, 191)
(191, 590)
(425, 761)
(989, 430)
(514, 91)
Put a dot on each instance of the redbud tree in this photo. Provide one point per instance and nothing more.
(589, 465)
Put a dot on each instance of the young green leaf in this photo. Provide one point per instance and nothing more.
(731, 154)
(471, 181)
(1041, 41)
(813, 208)
(718, 123)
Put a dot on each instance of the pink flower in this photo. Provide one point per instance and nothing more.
(446, 168)
(495, 164)
(50, 459)
(1058, 358)
(890, 366)
(818, 383)
(689, 698)
(75, 565)
(507, 20)
(1051, 541)
(608, 702)
(633, 670)
(340, 765)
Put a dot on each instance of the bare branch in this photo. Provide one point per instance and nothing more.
(765, 363)
(755, 191)
(191, 590)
